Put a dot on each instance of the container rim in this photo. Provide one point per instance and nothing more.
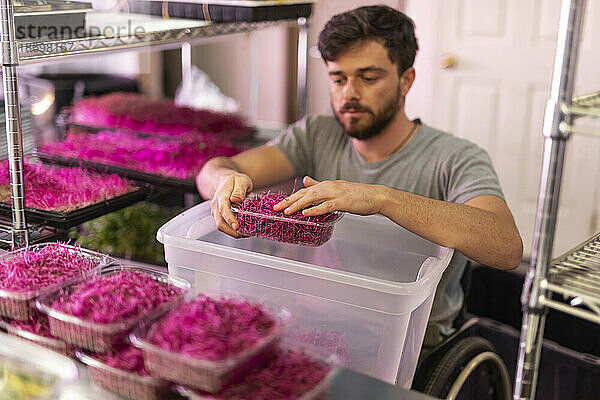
(56, 342)
(176, 234)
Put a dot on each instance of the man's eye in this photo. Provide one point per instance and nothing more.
(369, 79)
(338, 81)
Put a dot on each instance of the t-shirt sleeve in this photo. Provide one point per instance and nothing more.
(471, 174)
(296, 144)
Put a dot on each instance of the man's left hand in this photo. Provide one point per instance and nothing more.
(355, 198)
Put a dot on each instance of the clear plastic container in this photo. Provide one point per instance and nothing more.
(208, 375)
(372, 284)
(19, 305)
(53, 344)
(126, 384)
(318, 392)
(284, 229)
(32, 372)
(100, 337)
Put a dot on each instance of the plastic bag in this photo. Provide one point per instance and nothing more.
(199, 91)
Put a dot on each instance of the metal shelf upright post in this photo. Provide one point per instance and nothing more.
(576, 275)
(14, 134)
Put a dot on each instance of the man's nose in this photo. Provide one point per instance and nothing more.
(351, 92)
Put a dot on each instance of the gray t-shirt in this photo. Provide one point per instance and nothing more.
(434, 164)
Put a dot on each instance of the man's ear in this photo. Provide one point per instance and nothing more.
(406, 80)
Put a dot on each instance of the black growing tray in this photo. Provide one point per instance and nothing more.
(69, 219)
(37, 234)
(161, 181)
(65, 127)
(222, 13)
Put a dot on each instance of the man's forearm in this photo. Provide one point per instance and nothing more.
(208, 179)
(484, 236)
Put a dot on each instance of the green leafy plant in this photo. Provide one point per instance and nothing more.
(128, 233)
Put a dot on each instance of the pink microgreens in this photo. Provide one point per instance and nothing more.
(289, 375)
(34, 270)
(212, 329)
(282, 230)
(180, 159)
(140, 113)
(327, 339)
(114, 298)
(126, 358)
(59, 188)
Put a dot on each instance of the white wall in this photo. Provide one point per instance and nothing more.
(229, 63)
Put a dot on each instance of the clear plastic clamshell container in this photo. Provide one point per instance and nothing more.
(53, 344)
(99, 337)
(284, 229)
(19, 304)
(129, 385)
(207, 375)
(318, 392)
(31, 372)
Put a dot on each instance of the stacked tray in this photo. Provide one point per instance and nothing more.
(181, 185)
(67, 219)
(230, 11)
(54, 19)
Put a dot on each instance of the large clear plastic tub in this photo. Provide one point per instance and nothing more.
(371, 286)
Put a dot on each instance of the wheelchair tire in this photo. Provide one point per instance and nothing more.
(454, 361)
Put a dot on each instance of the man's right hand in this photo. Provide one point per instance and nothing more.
(232, 188)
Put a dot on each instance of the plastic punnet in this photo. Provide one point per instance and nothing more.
(209, 375)
(127, 384)
(283, 229)
(99, 337)
(319, 391)
(17, 304)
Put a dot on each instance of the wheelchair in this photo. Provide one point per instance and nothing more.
(444, 371)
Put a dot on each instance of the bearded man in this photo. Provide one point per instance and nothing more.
(370, 158)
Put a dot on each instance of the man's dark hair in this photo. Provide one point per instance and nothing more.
(383, 23)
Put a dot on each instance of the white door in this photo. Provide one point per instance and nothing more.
(495, 96)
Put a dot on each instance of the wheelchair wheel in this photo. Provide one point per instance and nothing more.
(460, 361)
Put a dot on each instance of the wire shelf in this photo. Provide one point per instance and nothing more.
(589, 100)
(104, 34)
(587, 105)
(576, 277)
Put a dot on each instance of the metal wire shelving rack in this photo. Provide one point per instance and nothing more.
(156, 33)
(575, 276)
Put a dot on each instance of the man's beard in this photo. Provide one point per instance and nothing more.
(380, 120)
